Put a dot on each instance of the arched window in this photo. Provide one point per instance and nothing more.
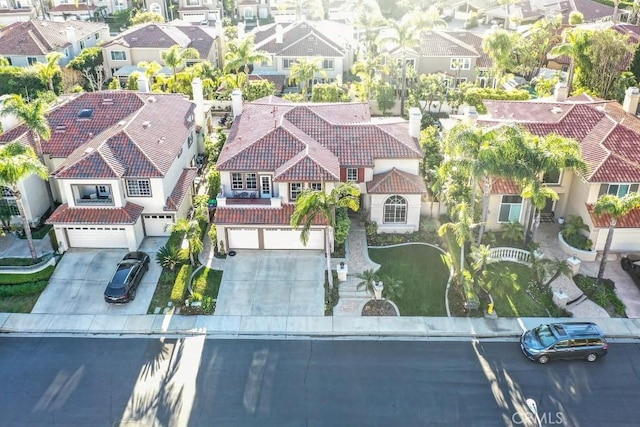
(395, 210)
(155, 8)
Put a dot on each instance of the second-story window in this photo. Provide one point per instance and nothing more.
(251, 181)
(460, 64)
(31, 60)
(138, 188)
(236, 181)
(193, 2)
(295, 188)
(287, 63)
(118, 55)
(315, 186)
(327, 64)
(352, 175)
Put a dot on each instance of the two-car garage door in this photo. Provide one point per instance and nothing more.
(273, 238)
(97, 237)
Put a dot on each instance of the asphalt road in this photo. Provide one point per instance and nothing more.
(178, 382)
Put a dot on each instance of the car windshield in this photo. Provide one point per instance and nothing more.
(120, 277)
(545, 335)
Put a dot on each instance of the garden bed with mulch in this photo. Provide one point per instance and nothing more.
(379, 308)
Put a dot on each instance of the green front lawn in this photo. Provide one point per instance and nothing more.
(512, 300)
(423, 274)
(20, 292)
(206, 283)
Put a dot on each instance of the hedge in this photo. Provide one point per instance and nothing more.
(16, 279)
(28, 288)
(24, 81)
(476, 95)
(180, 285)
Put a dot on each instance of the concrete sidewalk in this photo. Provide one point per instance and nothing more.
(294, 327)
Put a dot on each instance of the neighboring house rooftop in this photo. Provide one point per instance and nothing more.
(591, 10)
(37, 38)
(299, 38)
(74, 8)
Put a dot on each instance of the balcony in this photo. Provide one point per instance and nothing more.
(94, 200)
(247, 198)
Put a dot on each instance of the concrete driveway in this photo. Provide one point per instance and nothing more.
(78, 283)
(272, 283)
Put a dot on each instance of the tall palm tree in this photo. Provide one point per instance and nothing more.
(313, 203)
(17, 162)
(192, 232)
(499, 46)
(538, 194)
(33, 116)
(304, 70)
(615, 208)
(176, 56)
(462, 229)
(404, 37)
(49, 70)
(241, 56)
(569, 47)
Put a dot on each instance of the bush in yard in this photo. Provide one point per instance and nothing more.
(28, 288)
(343, 224)
(170, 256)
(180, 285)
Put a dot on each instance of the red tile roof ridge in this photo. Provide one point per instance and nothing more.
(396, 181)
(412, 144)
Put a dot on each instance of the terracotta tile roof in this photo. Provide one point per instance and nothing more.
(474, 40)
(592, 11)
(396, 182)
(129, 134)
(37, 38)
(180, 191)
(70, 8)
(109, 216)
(504, 186)
(608, 136)
(259, 215)
(632, 220)
(446, 44)
(151, 36)
(272, 135)
(299, 39)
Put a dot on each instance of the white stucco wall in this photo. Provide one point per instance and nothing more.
(34, 197)
(407, 165)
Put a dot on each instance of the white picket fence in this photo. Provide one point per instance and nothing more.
(510, 254)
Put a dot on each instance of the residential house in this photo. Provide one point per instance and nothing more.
(458, 54)
(200, 11)
(286, 43)
(609, 135)
(16, 11)
(122, 166)
(252, 10)
(25, 43)
(106, 7)
(81, 10)
(276, 149)
(146, 42)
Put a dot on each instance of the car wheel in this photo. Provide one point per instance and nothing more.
(592, 357)
(543, 359)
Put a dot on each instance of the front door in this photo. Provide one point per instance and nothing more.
(265, 186)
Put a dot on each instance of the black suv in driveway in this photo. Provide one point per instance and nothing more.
(124, 283)
(631, 264)
(573, 340)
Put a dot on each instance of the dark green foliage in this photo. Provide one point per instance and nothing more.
(25, 81)
(476, 95)
(88, 59)
(170, 257)
(259, 89)
(343, 223)
(15, 279)
(22, 289)
(329, 92)
(179, 290)
(331, 296)
(572, 233)
(603, 295)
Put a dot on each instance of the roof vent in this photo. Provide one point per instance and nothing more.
(161, 140)
(61, 128)
(89, 150)
(152, 99)
(107, 101)
(146, 124)
(134, 39)
(556, 110)
(122, 123)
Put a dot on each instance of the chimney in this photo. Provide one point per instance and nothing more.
(415, 118)
(631, 98)
(279, 33)
(143, 84)
(561, 92)
(71, 38)
(470, 115)
(8, 121)
(198, 99)
(236, 102)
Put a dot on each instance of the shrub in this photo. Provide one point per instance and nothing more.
(476, 95)
(179, 289)
(343, 224)
(27, 288)
(170, 257)
(16, 279)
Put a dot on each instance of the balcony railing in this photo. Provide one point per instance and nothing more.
(94, 201)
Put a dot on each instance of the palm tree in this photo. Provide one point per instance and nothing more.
(192, 232)
(17, 162)
(311, 204)
(177, 56)
(304, 70)
(570, 47)
(368, 279)
(615, 208)
(404, 37)
(49, 70)
(499, 46)
(538, 194)
(241, 56)
(33, 116)
(462, 229)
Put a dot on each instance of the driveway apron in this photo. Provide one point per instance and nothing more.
(272, 283)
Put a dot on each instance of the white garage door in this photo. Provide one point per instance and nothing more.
(286, 238)
(97, 237)
(624, 240)
(157, 225)
(243, 238)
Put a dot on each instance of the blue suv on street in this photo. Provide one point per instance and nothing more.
(573, 340)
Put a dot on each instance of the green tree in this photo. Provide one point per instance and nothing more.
(141, 17)
(572, 45)
(304, 70)
(49, 70)
(499, 46)
(314, 204)
(259, 89)
(368, 278)
(576, 18)
(177, 56)
(18, 162)
(531, 50)
(614, 208)
(241, 56)
(192, 233)
(90, 63)
(385, 97)
(404, 37)
(462, 229)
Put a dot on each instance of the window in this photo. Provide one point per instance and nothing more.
(408, 61)
(190, 140)
(155, 8)
(97, 36)
(460, 64)
(316, 186)
(510, 209)
(82, 44)
(118, 55)
(327, 64)
(352, 175)
(552, 177)
(395, 210)
(10, 205)
(193, 2)
(248, 13)
(252, 181)
(236, 181)
(139, 187)
(287, 63)
(295, 188)
(31, 60)
(619, 190)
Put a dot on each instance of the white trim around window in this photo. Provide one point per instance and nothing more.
(395, 210)
(510, 209)
(138, 187)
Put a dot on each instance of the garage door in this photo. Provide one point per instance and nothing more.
(157, 225)
(624, 240)
(286, 238)
(97, 237)
(243, 238)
